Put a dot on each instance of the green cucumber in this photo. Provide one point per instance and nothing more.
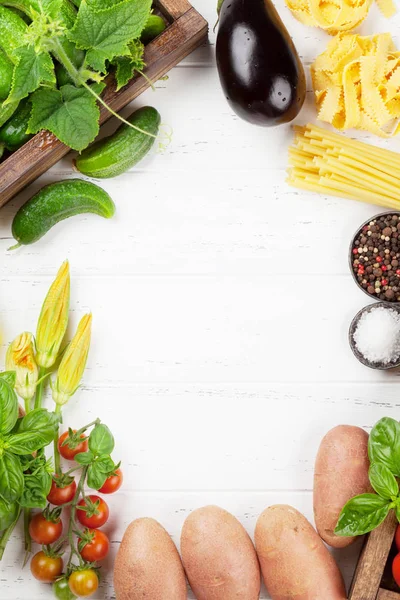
(12, 31)
(154, 26)
(119, 152)
(57, 202)
(13, 133)
(7, 111)
(6, 73)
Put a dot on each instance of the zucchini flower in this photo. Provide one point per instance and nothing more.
(20, 358)
(53, 319)
(73, 363)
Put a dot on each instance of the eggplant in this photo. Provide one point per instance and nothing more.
(259, 68)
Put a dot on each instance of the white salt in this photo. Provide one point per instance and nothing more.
(377, 335)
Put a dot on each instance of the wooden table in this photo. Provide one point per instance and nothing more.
(221, 301)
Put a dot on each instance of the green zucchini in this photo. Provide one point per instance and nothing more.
(13, 133)
(57, 202)
(119, 152)
(154, 26)
(6, 73)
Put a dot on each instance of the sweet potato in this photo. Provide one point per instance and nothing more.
(295, 563)
(219, 558)
(148, 564)
(341, 472)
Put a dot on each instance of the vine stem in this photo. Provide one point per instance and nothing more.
(57, 460)
(7, 534)
(27, 535)
(110, 110)
(72, 522)
(40, 387)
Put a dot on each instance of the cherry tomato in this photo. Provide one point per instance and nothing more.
(66, 451)
(61, 495)
(83, 583)
(113, 483)
(93, 521)
(98, 548)
(61, 590)
(43, 531)
(396, 569)
(397, 538)
(46, 568)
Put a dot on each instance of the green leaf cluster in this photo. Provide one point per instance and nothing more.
(24, 479)
(98, 457)
(365, 512)
(87, 41)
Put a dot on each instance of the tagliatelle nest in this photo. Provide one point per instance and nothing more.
(357, 83)
(336, 15)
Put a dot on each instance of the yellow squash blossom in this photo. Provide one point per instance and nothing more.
(53, 319)
(73, 363)
(20, 358)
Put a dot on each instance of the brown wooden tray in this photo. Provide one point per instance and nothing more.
(367, 583)
(187, 30)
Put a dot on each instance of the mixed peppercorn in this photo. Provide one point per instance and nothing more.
(376, 257)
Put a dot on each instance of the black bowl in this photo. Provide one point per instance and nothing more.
(353, 325)
(351, 255)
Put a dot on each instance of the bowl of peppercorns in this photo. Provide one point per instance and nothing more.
(375, 257)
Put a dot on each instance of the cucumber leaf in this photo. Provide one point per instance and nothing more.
(31, 70)
(127, 66)
(70, 113)
(106, 33)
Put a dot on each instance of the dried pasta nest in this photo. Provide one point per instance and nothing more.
(357, 83)
(335, 16)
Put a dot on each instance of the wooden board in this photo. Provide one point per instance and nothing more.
(187, 30)
(373, 558)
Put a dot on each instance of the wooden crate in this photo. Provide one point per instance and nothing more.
(369, 580)
(186, 31)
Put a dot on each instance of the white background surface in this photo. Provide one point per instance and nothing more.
(221, 301)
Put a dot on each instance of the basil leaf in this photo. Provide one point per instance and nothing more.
(10, 377)
(36, 490)
(95, 478)
(101, 440)
(36, 430)
(362, 514)
(84, 458)
(11, 478)
(383, 481)
(105, 464)
(8, 406)
(8, 514)
(384, 444)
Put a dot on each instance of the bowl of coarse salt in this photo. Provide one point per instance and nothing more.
(374, 336)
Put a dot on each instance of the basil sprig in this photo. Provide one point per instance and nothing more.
(22, 480)
(365, 512)
(100, 464)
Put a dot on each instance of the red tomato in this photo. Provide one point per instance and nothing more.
(98, 548)
(91, 519)
(61, 495)
(113, 483)
(46, 568)
(83, 583)
(66, 451)
(43, 531)
(397, 538)
(396, 569)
